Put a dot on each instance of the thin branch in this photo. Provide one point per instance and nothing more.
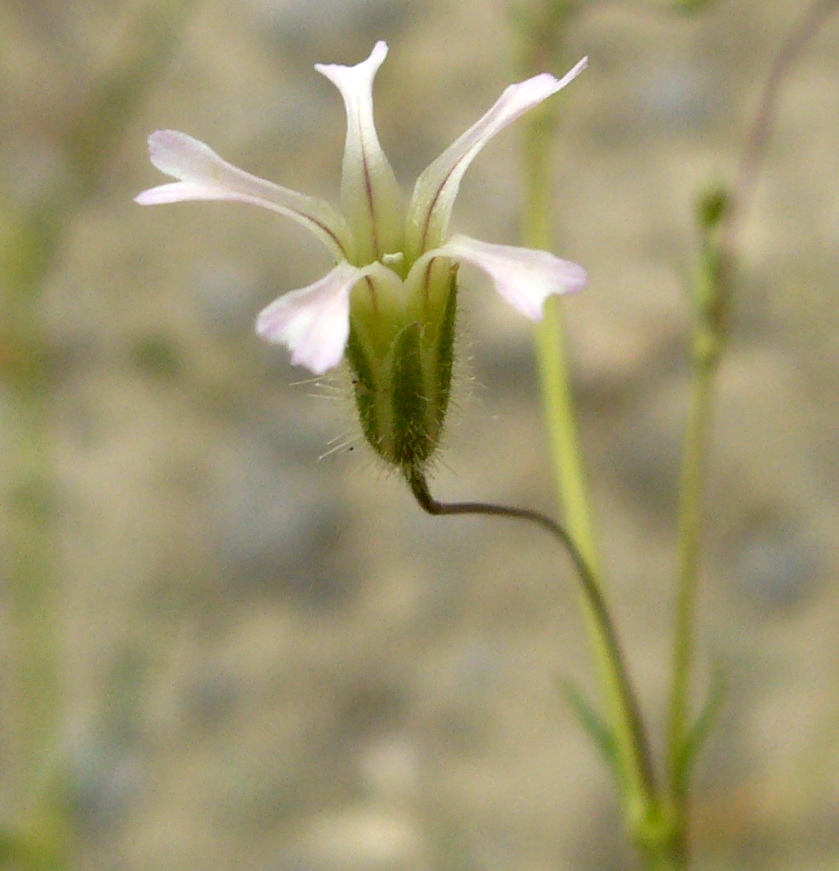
(808, 26)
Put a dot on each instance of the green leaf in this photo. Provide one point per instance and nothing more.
(699, 732)
(593, 725)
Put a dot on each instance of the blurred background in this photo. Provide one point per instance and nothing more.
(223, 646)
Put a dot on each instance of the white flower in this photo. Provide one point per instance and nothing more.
(374, 236)
(389, 303)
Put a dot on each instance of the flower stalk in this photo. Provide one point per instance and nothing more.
(591, 594)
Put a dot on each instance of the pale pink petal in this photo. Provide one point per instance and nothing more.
(313, 322)
(436, 189)
(524, 277)
(175, 192)
(203, 175)
(371, 198)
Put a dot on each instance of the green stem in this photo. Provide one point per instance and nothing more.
(26, 250)
(633, 756)
(35, 625)
(690, 525)
(554, 374)
(563, 435)
(40, 835)
(721, 244)
(539, 40)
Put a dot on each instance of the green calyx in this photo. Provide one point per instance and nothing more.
(402, 373)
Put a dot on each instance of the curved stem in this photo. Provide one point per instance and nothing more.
(811, 21)
(640, 772)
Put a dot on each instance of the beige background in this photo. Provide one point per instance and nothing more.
(275, 661)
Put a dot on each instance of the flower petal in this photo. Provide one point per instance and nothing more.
(436, 189)
(203, 175)
(524, 277)
(370, 195)
(313, 322)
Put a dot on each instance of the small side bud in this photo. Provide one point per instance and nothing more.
(711, 207)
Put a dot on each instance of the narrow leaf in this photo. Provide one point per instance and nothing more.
(699, 731)
(593, 725)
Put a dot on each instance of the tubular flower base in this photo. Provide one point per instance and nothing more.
(389, 303)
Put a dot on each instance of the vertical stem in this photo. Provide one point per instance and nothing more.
(635, 767)
(34, 609)
(690, 525)
(563, 435)
(27, 486)
(554, 374)
(40, 835)
(720, 250)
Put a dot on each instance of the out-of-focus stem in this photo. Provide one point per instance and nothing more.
(39, 835)
(707, 349)
(625, 723)
(557, 398)
(26, 249)
(720, 250)
(808, 25)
